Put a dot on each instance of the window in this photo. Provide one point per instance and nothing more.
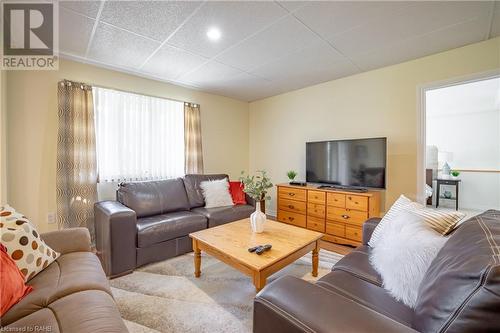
(138, 137)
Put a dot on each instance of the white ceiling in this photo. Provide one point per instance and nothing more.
(266, 48)
(478, 96)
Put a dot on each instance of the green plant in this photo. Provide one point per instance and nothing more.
(291, 175)
(455, 173)
(256, 186)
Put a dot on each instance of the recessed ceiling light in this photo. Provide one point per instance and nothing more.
(213, 34)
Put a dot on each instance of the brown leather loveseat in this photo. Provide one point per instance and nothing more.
(460, 291)
(151, 221)
(71, 295)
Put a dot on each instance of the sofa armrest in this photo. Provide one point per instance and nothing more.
(116, 237)
(368, 228)
(292, 305)
(68, 240)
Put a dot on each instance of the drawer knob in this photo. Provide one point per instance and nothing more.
(350, 198)
(345, 216)
(291, 206)
(291, 218)
(291, 194)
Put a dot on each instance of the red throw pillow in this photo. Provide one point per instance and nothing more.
(236, 189)
(12, 287)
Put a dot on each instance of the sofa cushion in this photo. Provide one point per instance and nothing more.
(193, 189)
(160, 228)
(367, 294)
(460, 291)
(87, 311)
(154, 197)
(221, 215)
(357, 263)
(70, 273)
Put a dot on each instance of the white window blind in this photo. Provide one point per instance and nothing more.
(138, 137)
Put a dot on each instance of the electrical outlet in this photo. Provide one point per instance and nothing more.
(51, 218)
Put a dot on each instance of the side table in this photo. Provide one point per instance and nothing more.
(452, 182)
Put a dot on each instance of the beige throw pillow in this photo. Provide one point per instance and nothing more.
(216, 193)
(441, 221)
(23, 243)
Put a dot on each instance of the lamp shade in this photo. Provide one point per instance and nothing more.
(445, 156)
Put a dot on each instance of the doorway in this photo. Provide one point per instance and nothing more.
(460, 144)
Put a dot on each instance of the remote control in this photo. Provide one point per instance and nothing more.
(263, 248)
(253, 249)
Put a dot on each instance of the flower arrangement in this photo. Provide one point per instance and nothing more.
(256, 186)
(455, 173)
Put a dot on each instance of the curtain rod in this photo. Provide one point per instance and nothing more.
(133, 92)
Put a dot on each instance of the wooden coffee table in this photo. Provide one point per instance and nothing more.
(230, 242)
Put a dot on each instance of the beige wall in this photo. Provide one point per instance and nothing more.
(378, 103)
(32, 130)
(271, 136)
(3, 138)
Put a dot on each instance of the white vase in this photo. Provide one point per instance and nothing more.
(257, 219)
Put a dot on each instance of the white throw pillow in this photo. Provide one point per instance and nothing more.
(216, 193)
(23, 243)
(396, 207)
(403, 254)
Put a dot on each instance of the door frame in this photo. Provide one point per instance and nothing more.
(422, 117)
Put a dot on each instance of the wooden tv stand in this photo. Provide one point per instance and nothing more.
(339, 214)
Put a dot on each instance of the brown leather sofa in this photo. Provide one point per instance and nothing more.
(151, 221)
(71, 295)
(460, 291)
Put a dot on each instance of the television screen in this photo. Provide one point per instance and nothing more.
(349, 163)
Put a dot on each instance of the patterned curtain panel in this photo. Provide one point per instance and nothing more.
(192, 139)
(76, 157)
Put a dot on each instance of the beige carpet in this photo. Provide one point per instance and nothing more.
(166, 297)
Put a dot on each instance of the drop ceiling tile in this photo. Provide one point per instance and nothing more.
(285, 36)
(153, 19)
(236, 21)
(292, 5)
(72, 25)
(329, 18)
(120, 48)
(320, 74)
(243, 86)
(88, 8)
(316, 63)
(413, 48)
(210, 74)
(170, 62)
(421, 18)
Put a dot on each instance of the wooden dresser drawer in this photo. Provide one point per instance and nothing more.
(335, 200)
(292, 193)
(316, 224)
(334, 239)
(353, 233)
(316, 197)
(316, 210)
(335, 228)
(356, 202)
(292, 218)
(346, 215)
(293, 206)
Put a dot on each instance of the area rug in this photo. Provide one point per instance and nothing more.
(166, 297)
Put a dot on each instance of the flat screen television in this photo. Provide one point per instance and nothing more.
(358, 163)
